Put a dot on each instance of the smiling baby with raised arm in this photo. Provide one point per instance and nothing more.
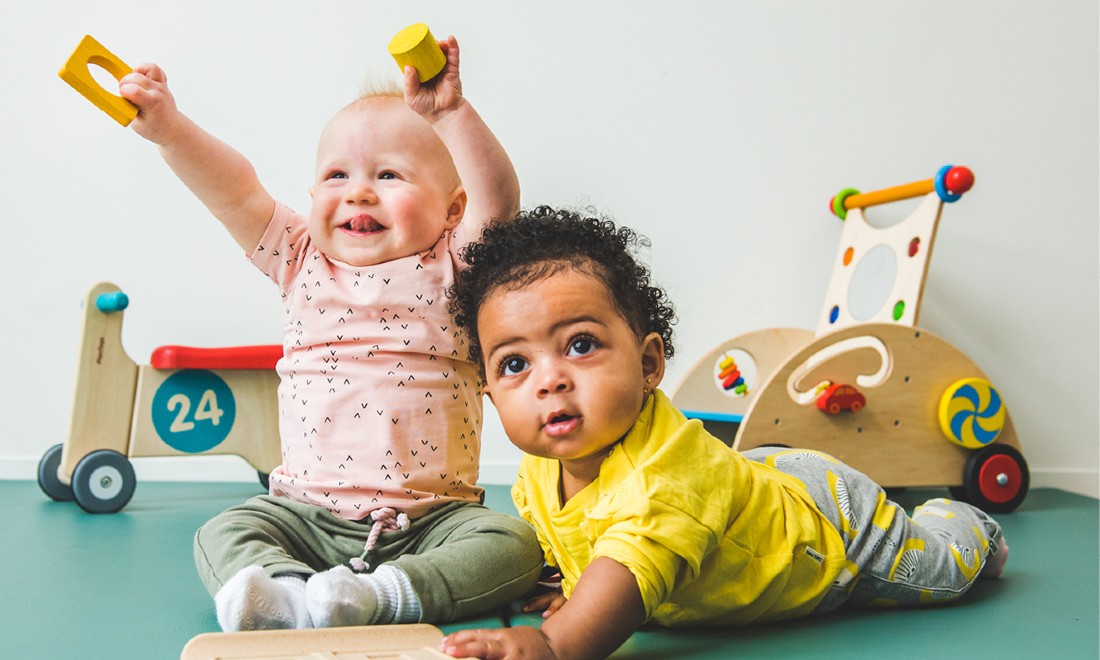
(380, 407)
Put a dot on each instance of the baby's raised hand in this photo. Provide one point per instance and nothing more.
(147, 88)
(441, 94)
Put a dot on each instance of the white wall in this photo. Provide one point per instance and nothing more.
(719, 129)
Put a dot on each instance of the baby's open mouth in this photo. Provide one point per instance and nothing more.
(362, 224)
(561, 424)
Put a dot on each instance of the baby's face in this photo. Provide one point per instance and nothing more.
(385, 185)
(564, 369)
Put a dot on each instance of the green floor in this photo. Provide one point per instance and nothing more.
(123, 586)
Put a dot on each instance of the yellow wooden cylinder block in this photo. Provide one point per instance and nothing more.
(416, 47)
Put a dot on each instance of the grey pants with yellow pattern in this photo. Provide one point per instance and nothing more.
(893, 559)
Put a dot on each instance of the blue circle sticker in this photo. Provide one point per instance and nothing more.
(193, 410)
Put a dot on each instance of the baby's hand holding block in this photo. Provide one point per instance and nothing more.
(76, 73)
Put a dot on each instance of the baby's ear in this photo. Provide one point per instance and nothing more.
(653, 360)
(311, 189)
(457, 208)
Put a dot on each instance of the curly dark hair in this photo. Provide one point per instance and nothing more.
(544, 241)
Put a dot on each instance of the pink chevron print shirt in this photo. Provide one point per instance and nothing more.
(378, 405)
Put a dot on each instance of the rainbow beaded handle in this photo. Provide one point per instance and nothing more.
(950, 182)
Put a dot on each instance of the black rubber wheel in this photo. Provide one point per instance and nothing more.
(103, 481)
(996, 478)
(263, 480)
(47, 476)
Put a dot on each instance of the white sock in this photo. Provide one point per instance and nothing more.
(339, 597)
(403, 605)
(251, 600)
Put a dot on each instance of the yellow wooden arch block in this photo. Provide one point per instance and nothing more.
(76, 73)
(416, 47)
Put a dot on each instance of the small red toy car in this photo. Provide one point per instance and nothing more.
(839, 397)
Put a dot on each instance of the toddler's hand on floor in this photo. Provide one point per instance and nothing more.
(498, 644)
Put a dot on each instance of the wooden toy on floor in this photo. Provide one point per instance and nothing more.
(870, 386)
(75, 71)
(187, 401)
(416, 641)
(416, 47)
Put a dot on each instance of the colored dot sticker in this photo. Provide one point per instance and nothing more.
(914, 246)
(899, 309)
(848, 256)
(193, 410)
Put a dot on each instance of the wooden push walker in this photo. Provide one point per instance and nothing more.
(187, 401)
(869, 386)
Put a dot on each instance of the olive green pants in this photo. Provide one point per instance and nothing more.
(462, 559)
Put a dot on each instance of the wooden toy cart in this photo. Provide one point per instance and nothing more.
(870, 387)
(187, 401)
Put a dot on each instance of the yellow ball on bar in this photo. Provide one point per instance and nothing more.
(416, 47)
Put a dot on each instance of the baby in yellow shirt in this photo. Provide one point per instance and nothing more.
(646, 515)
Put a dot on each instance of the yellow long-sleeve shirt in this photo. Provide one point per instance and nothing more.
(710, 536)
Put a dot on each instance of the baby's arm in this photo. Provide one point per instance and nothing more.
(490, 181)
(217, 174)
(603, 611)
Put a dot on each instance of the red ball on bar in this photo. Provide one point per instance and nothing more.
(958, 179)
